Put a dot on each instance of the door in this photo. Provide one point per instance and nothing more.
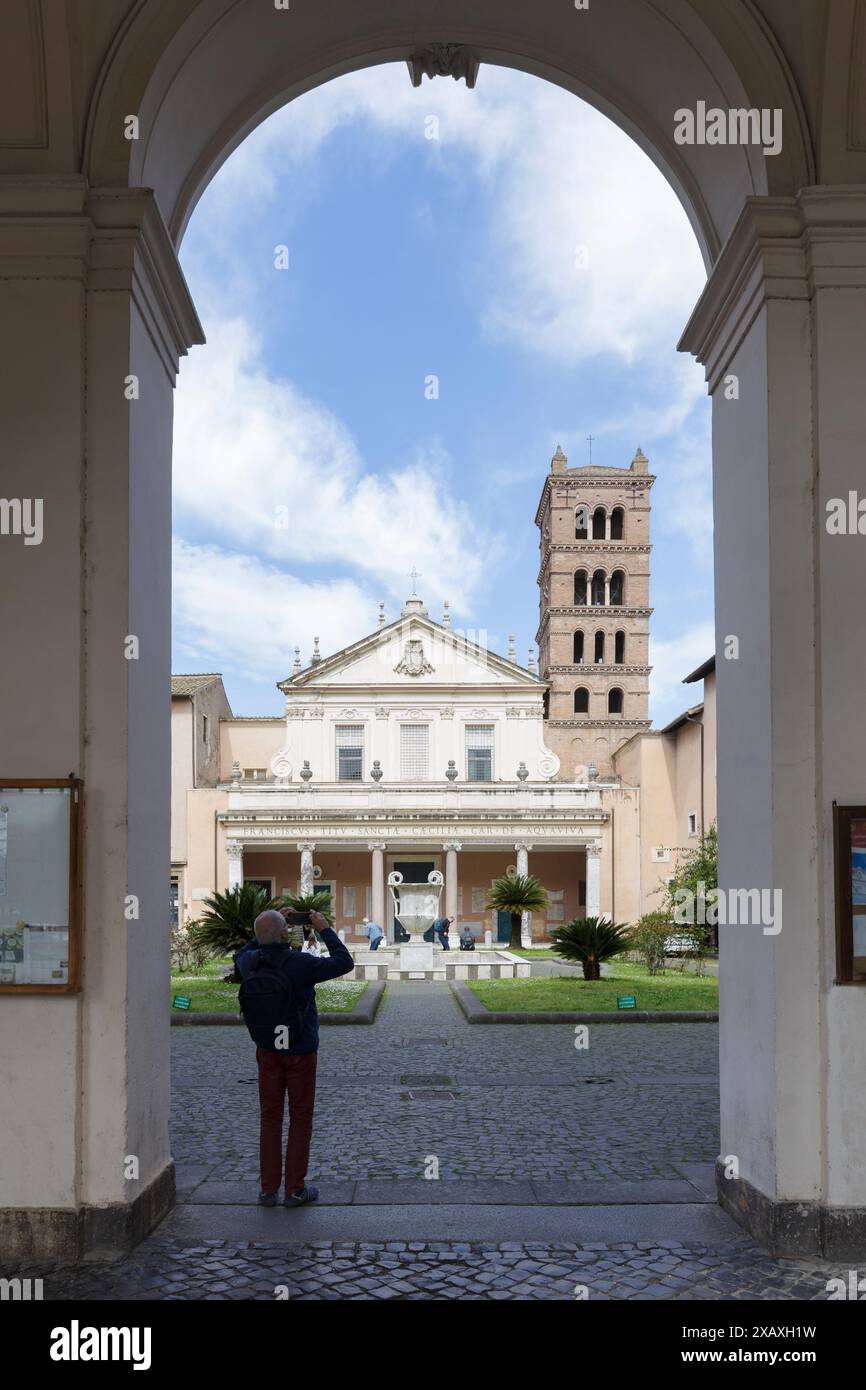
(503, 926)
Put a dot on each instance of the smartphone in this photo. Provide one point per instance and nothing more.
(295, 918)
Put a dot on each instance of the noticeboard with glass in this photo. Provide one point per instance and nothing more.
(849, 835)
(40, 885)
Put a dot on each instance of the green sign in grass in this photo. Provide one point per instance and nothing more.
(181, 1001)
(626, 1001)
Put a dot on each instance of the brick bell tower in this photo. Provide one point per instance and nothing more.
(593, 635)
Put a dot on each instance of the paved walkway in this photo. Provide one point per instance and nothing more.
(456, 1162)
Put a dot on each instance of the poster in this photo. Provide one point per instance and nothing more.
(34, 885)
(858, 865)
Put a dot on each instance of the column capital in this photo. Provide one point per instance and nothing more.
(306, 846)
(374, 845)
(783, 249)
(235, 849)
(456, 845)
(593, 849)
(523, 844)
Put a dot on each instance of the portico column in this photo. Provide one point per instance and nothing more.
(307, 880)
(593, 878)
(525, 917)
(235, 851)
(94, 315)
(452, 849)
(779, 329)
(377, 882)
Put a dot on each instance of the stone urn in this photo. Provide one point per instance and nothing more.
(417, 906)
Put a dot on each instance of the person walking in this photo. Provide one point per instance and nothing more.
(373, 932)
(278, 1002)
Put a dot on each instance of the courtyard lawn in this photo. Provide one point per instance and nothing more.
(209, 995)
(671, 991)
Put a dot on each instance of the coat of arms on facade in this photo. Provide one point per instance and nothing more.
(413, 661)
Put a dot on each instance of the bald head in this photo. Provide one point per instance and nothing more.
(270, 927)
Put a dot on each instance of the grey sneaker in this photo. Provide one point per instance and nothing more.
(267, 1199)
(300, 1199)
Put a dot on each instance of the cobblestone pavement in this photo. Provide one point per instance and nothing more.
(440, 1270)
(640, 1099)
(639, 1105)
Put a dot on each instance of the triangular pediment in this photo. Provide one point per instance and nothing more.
(414, 653)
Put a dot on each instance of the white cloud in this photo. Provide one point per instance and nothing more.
(672, 659)
(559, 174)
(235, 606)
(275, 473)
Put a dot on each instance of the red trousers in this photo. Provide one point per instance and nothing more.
(282, 1073)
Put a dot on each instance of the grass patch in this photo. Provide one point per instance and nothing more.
(684, 993)
(209, 995)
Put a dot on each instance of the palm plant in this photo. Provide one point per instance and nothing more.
(227, 925)
(590, 940)
(515, 895)
(309, 902)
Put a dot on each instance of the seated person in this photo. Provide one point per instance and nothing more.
(467, 940)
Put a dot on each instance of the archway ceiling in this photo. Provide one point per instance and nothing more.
(203, 73)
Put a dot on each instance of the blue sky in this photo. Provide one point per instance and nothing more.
(531, 258)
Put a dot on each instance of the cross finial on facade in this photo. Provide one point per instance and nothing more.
(414, 575)
(589, 439)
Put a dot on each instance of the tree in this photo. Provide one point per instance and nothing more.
(227, 924)
(699, 866)
(649, 939)
(590, 940)
(515, 895)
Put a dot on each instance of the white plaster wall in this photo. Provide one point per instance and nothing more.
(41, 696)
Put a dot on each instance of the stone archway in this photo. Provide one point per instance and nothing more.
(92, 296)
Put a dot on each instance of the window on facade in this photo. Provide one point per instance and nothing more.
(414, 751)
(598, 589)
(617, 586)
(599, 648)
(619, 648)
(479, 752)
(204, 728)
(614, 702)
(580, 518)
(598, 524)
(174, 902)
(350, 752)
(693, 822)
(617, 523)
(578, 648)
(580, 581)
(581, 700)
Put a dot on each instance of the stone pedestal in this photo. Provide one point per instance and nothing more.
(416, 956)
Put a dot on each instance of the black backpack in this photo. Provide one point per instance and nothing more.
(268, 1001)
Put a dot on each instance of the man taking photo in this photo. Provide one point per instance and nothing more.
(277, 998)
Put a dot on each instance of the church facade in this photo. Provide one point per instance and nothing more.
(416, 749)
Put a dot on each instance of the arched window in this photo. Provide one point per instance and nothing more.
(614, 701)
(599, 648)
(580, 583)
(617, 523)
(581, 700)
(581, 516)
(617, 586)
(619, 648)
(598, 589)
(598, 523)
(578, 649)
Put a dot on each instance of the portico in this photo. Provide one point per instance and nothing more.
(92, 296)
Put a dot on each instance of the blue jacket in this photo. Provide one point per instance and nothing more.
(304, 973)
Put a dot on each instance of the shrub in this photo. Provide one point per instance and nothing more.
(590, 940)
